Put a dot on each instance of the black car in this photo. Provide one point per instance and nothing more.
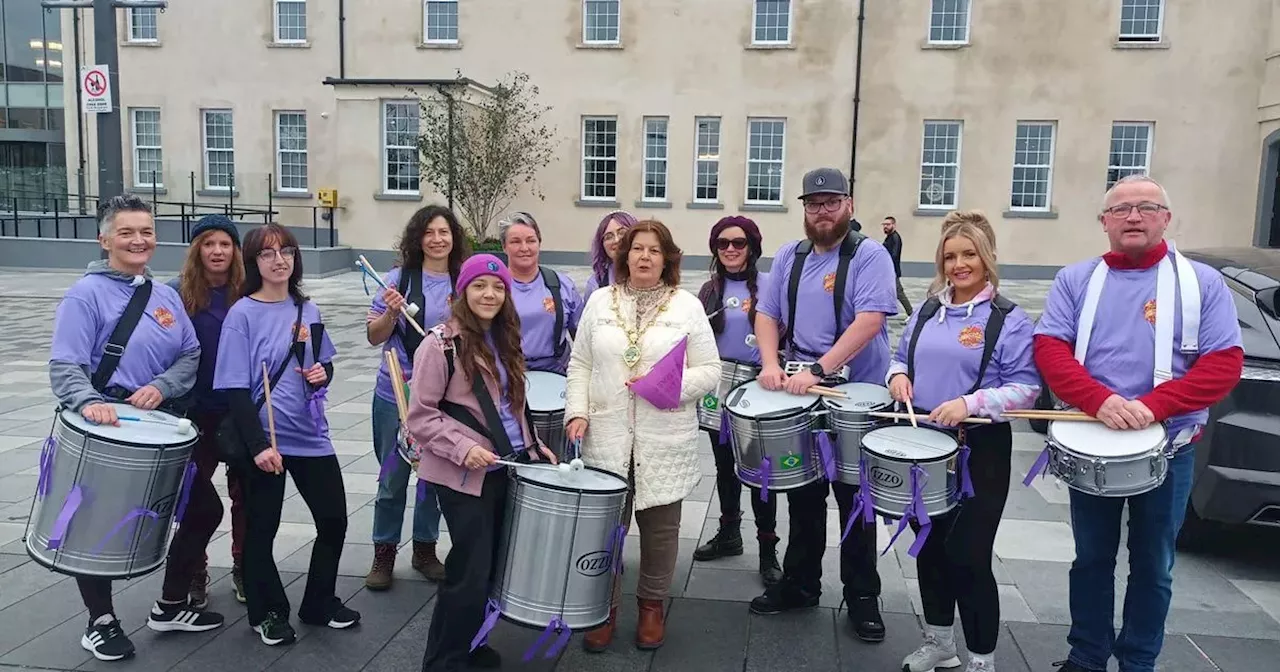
(1237, 477)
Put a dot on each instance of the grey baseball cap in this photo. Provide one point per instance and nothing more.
(825, 181)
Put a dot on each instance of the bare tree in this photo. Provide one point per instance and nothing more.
(495, 143)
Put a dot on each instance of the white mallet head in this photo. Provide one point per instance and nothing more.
(577, 464)
(751, 340)
(733, 302)
(412, 309)
(184, 425)
(564, 468)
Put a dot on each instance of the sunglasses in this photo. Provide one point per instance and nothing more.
(735, 243)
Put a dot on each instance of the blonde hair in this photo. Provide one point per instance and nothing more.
(971, 224)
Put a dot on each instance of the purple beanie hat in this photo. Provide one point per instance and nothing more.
(754, 239)
(482, 264)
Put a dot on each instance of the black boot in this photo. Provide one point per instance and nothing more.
(864, 615)
(770, 570)
(726, 543)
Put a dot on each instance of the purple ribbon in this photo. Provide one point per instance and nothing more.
(556, 625)
(185, 495)
(492, 612)
(140, 512)
(45, 480)
(864, 502)
(827, 452)
(422, 491)
(766, 468)
(966, 481)
(915, 510)
(1038, 469)
(315, 405)
(388, 465)
(725, 435)
(619, 538)
(69, 506)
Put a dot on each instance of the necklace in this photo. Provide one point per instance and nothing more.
(631, 355)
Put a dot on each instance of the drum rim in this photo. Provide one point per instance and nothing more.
(905, 460)
(564, 488)
(738, 362)
(791, 413)
(132, 444)
(1160, 446)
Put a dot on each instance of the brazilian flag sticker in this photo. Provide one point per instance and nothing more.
(709, 402)
(790, 461)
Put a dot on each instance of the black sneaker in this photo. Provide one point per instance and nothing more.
(1070, 666)
(783, 597)
(275, 629)
(105, 639)
(340, 616)
(484, 658)
(180, 618)
(864, 615)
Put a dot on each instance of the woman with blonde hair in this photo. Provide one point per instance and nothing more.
(967, 351)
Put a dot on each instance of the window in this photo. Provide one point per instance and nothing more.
(400, 147)
(940, 165)
(219, 150)
(600, 21)
(291, 151)
(143, 24)
(291, 21)
(148, 166)
(772, 22)
(706, 161)
(949, 22)
(1032, 166)
(766, 142)
(440, 21)
(655, 159)
(1141, 20)
(600, 158)
(1130, 150)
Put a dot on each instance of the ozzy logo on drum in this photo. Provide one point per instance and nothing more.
(885, 477)
(164, 505)
(594, 563)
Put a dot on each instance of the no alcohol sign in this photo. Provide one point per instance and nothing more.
(96, 85)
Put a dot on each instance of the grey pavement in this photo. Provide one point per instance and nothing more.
(1225, 615)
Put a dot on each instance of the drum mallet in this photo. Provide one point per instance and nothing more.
(271, 416)
(731, 302)
(890, 415)
(183, 424)
(409, 310)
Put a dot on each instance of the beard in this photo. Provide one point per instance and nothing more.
(831, 237)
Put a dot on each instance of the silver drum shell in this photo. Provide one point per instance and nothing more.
(776, 437)
(549, 427)
(555, 557)
(1108, 476)
(732, 374)
(849, 427)
(890, 480)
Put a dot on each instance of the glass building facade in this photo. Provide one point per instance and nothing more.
(32, 140)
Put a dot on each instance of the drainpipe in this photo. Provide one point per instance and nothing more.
(857, 100)
(80, 185)
(342, 39)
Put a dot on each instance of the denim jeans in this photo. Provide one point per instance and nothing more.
(1154, 520)
(393, 490)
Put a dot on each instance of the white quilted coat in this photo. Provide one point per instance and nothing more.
(621, 425)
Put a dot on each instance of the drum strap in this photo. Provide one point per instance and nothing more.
(410, 287)
(114, 349)
(552, 281)
(848, 248)
(497, 436)
(1000, 309)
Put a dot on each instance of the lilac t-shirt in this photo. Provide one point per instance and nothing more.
(88, 314)
(593, 283)
(1122, 345)
(732, 342)
(510, 421)
(435, 308)
(949, 353)
(257, 331)
(538, 318)
(871, 288)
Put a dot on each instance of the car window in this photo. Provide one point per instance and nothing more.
(1257, 329)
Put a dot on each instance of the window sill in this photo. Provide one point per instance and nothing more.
(1030, 214)
(932, 212)
(141, 190)
(943, 46)
(1162, 43)
(762, 207)
(653, 205)
(289, 45)
(218, 193)
(440, 45)
(300, 195)
(769, 46)
(701, 205)
(589, 203)
(600, 45)
(384, 196)
(140, 43)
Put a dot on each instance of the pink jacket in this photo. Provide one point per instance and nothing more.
(443, 440)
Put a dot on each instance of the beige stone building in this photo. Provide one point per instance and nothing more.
(688, 110)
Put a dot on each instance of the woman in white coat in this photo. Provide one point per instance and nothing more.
(624, 331)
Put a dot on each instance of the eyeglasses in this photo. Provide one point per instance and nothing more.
(1146, 209)
(735, 243)
(270, 253)
(814, 207)
(611, 236)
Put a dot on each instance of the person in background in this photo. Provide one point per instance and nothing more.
(541, 308)
(736, 247)
(604, 248)
(432, 248)
(893, 243)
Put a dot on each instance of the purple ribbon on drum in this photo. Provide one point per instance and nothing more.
(766, 470)
(966, 480)
(185, 494)
(827, 452)
(69, 507)
(492, 612)
(1039, 468)
(725, 435)
(138, 513)
(45, 480)
(315, 406)
(864, 502)
(915, 511)
(556, 625)
(619, 538)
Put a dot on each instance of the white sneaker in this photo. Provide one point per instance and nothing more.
(976, 665)
(931, 656)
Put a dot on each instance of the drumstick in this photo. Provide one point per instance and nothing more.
(827, 392)
(393, 368)
(1070, 416)
(271, 416)
(903, 416)
(911, 414)
(404, 308)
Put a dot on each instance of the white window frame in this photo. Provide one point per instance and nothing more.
(457, 28)
(582, 181)
(386, 148)
(958, 164)
(131, 25)
(655, 161)
(968, 22)
(782, 163)
(1142, 37)
(275, 20)
(205, 149)
(138, 173)
(281, 152)
(1145, 168)
(711, 158)
(755, 17)
(1053, 147)
(617, 39)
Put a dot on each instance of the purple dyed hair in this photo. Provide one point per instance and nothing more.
(599, 260)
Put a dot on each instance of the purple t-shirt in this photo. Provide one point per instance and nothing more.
(593, 283)
(208, 326)
(538, 318)
(949, 353)
(256, 332)
(732, 342)
(88, 314)
(436, 289)
(1122, 345)
(510, 421)
(871, 288)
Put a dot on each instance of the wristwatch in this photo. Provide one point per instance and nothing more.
(816, 369)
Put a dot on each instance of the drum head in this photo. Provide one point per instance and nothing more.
(750, 400)
(154, 433)
(545, 391)
(862, 397)
(586, 480)
(1099, 440)
(905, 443)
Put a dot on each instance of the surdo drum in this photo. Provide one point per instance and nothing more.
(1095, 459)
(732, 374)
(909, 465)
(545, 392)
(106, 497)
(772, 437)
(850, 419)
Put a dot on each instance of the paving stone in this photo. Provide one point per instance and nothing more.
(704, 635)
(621, 656)
(804, 640)
(1232, 654)
(8, 562)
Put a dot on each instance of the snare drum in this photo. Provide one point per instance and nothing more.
(545, 392)
(106, 496)
(850, 419)
(891, 452)
(1095, 459)
(772, 437)
(732, 374)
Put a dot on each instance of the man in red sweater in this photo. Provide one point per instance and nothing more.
(1133, 366)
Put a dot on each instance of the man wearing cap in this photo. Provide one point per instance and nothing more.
(843, 284)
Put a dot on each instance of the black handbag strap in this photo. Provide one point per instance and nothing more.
(114, 349)
(292, 352)
(552, 280)
(410, 287)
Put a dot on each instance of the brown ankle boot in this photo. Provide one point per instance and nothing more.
(652, 629)
(599, 639)
(384, 563)
(425, 561)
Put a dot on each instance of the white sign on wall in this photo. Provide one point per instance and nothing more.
(96, 85)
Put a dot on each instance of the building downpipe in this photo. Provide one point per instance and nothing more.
(857, 100)
(342, 39)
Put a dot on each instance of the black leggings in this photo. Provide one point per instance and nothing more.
(729, 487)
(954, 567)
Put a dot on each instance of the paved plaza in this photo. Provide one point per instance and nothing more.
(1225, 615)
